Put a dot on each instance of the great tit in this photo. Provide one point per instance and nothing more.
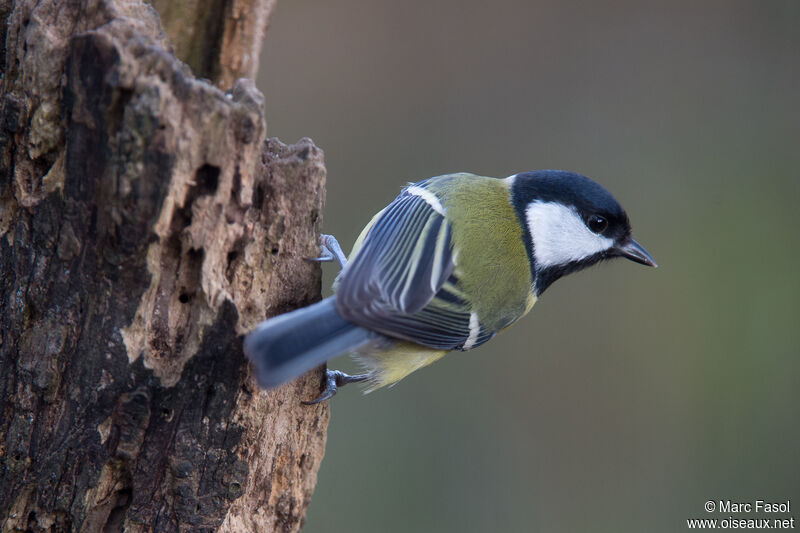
(450, 263)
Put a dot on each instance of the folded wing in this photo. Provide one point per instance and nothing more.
(401, 281)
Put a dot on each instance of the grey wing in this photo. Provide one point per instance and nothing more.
(401, 281)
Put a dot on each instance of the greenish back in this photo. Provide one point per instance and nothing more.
(491, 262)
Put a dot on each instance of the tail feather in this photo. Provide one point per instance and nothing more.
(291, 344)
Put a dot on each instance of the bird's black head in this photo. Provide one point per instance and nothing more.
(569, 223)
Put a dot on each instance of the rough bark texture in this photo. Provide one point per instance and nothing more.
(219, 39)
(145, 224)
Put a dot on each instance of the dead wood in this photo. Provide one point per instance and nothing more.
(145, 225)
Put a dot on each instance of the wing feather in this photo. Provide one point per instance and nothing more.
(401, 281)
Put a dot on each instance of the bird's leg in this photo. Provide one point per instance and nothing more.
(333, 380)
(330, 250)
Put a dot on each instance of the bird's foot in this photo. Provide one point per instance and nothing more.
(329, 250)
(333, 380)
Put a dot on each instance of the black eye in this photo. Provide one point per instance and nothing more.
(597, 223)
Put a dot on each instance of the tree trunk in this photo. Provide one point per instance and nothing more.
(145, 225)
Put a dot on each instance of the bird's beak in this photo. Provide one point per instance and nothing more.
(635, 252)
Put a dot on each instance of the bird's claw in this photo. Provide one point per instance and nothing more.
(333, 380)
(330, 250)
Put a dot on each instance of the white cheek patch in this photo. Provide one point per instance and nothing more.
(560, 235)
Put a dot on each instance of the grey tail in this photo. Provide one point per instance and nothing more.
(291, 344)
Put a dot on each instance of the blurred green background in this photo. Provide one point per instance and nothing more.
(629, 396)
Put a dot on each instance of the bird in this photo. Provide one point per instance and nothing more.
(450, 263)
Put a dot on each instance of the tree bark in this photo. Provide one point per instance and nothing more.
(219, 39)
(145, 225)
